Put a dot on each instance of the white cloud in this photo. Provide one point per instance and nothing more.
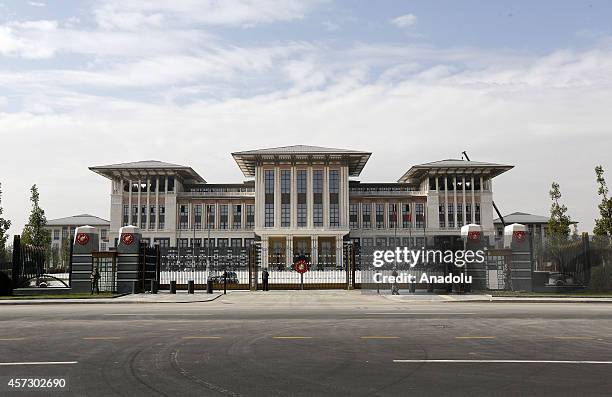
(36, 4)
(404, 21)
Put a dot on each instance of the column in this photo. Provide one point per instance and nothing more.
(473, 203)
(326, 197)
(243, 215)
(148, 210)
(455, 199)
(230, 215)
(264, 252)
(309, 199)
(138, 203)
(463, 200)
(189, 216)
(293, 198)
(445, 201)
(277, 201)
(289, 251)
(339, 252)
(157, 187)
(130, 202)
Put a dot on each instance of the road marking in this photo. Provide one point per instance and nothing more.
(9, 339)
(101, 338)
(292, 337)
(201, 337)
(474, 337)
(574, 337)
(505, 361)
(379, 337)
(417, 313)
(41, 363)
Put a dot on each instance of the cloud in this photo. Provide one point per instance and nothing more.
(36, 4)
(404, 21)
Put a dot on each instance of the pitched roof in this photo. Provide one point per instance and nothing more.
(523, 218)
(247, 160)
(147, 167)
(454, 166)
(79, 220)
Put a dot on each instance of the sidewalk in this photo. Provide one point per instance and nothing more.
(161, 297)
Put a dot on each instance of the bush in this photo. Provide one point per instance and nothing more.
(601, 279)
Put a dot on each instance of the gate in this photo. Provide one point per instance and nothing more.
(498, 275)
(106, 263)
(28, 267)
(148, 266)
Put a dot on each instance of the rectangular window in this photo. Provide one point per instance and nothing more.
(459, 183)
(196, 242)
(152, 217)
(302, 209)
(183, 216)
(134, 215)
(143, 217)
(170, 184)
(451, 215)
(162, 218)
(419, 213)
(103, 234)
(223, 216)
(269, 198)
(468, 213)
(380, 215)
(163, 242)
(222, 243)
(392, 215)
(56, 234)
(197, 216)
(236, 242)
(367, 242)
(406, 216)
(334, 198)
(354, 216)
(210, 216)
(182, 242)
(366, 215)
(459, 214)
(432, 183)
(317, 190)
(477, 214)
(236, 216)
(285, 180)
(441, 218)
(126, 215)
(477, 183)
(441, 184)
(250, 216)
(450, 185)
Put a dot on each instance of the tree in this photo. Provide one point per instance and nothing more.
(5, 224)
(559, 222)
(65, 252)
(34, 233)
(603, 225)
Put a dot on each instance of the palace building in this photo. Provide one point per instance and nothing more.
(300, 200)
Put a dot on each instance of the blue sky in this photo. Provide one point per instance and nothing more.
(519, 82)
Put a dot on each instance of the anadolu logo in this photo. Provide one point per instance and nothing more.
(82, 238)
(127, 239)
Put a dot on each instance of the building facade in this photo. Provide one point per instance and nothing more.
(300, 200)
(62, 231)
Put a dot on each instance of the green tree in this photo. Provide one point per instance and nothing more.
(603, 225)
(34, 233)
(5, 224)
(559, 222)
(65, 252)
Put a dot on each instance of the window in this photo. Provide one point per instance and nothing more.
(196, 242)
(126, 215)
(477, 183)
(236, 242)
(285, 176)
(441, 183)
(367, 242)
(183, 216)
(250, 216)
(236, 216)
(334, 198)
(450, 184)
(406, 216)
(380, 215)
(441, 217)
(317, 190)
(223, 216)
(459, 183)
(302, 209)
(64, 232)
(451, 215)
(477, 214)
(222, 242)
(468, 213)
(432, 183)
(381, 241)
(269, 198)
(197, 216)
(56, 234)
(420, 215)
(170, 184)
(104, 234)
(210, 216)
(103, 246)
(152, 217)
(392, 216)
(143, 217)
(163, 242)
(162, 217)
(182, 242)
(354, 216)
(134, 215)
(459, 214)
(366, 215)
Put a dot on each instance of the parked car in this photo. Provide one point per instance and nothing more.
(232, 278)
(560, 279)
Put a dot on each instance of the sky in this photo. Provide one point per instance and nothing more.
(86, 83)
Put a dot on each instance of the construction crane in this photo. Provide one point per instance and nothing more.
(501, 218)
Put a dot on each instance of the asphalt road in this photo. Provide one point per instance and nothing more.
(309, 343)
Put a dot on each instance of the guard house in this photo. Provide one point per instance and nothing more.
(300, 200)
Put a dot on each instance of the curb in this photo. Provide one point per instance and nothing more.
(102, 301)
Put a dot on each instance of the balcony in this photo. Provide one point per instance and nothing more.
(215, 194)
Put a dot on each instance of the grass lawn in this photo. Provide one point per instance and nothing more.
(63, 296)
(577, 294)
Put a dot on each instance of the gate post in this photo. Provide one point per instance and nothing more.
(85, 242)
(473, 240)
(128, 258)
(519, 269)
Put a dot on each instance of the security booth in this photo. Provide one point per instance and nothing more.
(85, 242)
(520, 271)
(474, 241)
